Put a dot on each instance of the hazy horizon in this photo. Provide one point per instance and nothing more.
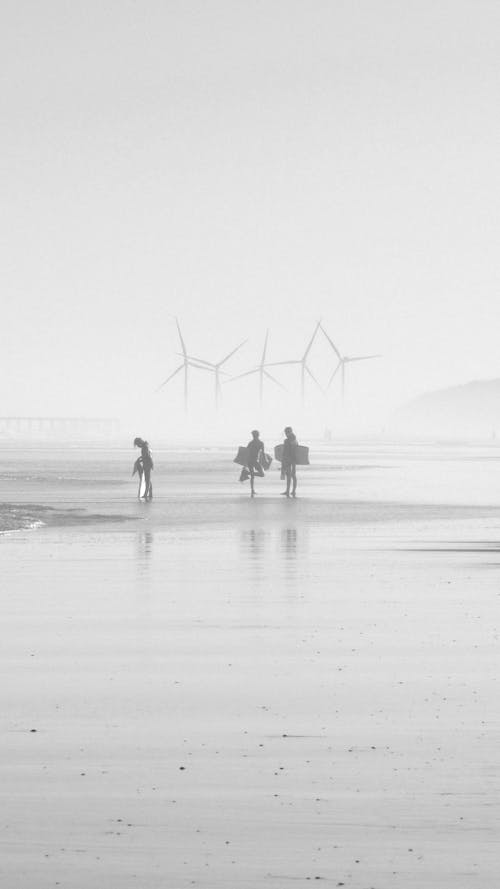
(246, 166)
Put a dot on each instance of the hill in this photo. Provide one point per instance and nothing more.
(469, 410)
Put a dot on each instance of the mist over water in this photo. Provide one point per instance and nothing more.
(247, 169)
(352, 480)
(214, 689)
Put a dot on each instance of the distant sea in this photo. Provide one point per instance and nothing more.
(354, 482)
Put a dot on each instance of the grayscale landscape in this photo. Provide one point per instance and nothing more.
(249, 444)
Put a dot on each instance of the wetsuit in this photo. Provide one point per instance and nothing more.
(289, 462)
(147, 465)
(254, 448)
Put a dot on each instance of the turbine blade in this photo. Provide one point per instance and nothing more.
(172, 375)
(263, 360)
(183, 344)
(313, 378)
(280, 363)
(246, 374)
(334, 347)
(270, 377)
(334, 374)
(199, 360)
(219, 363)
(191, 363)
(311, 341)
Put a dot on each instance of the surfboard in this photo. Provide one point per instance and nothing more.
(241, 457)
(302, 453)
(142, 483)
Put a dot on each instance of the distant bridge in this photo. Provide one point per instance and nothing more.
(58, 425)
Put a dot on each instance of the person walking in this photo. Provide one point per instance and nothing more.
(289, 462)
(255, 451)
(146, 461)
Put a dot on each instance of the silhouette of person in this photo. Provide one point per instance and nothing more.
(289, 461)
(254, 450)
(146, 460)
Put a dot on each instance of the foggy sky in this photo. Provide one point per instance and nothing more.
(246, 165)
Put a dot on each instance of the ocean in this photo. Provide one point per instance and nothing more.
(349, 483)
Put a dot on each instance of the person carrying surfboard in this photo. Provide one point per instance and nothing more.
(289, 461)
(255, 449)
(146, 461)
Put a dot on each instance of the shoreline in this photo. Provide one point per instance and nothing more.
(223, 691)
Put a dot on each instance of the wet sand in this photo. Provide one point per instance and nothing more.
(255, 693)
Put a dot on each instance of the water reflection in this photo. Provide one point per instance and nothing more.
(289, 542)
(274, 553)
(144, 577)
(144, 550)
(253, 543)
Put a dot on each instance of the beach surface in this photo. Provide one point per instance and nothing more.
(215, 691)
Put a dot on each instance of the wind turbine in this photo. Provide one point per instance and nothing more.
(343, 361)
(304, 369)
(215, 368)
(185, 364)
(261, 370)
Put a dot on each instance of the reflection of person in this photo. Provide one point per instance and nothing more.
(255, 449)
(146, 461)
(289, 461)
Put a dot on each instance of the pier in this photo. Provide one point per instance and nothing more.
(49, 427)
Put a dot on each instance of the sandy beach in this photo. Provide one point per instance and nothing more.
(213, 691)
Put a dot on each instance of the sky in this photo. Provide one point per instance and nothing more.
(246, 165)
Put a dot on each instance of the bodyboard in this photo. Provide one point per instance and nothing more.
(142, 481)
(265, 461)
(241, 457)
(302, 454)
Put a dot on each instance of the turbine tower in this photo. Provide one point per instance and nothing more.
(343, 361)
(261, 370)
(304, 369)
(185, 364)
(213, 367)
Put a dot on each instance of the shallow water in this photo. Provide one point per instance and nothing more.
(346, 484)
(217, 691)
